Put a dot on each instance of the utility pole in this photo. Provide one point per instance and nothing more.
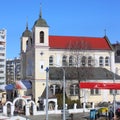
(47, 77)
(63, 117)
(114, 93)
(63, 94)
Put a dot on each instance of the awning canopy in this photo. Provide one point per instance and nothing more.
(23, 84)
(99, 85)
(9, 87)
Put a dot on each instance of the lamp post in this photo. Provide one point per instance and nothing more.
(63, 93)
(114, 93)
(47, 77)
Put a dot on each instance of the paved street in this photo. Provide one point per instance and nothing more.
(77, 116)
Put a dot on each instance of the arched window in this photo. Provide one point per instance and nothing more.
(101, 63)
(41, 37)
(107, 62)
(83, 61)
(55, 89)
(74, 89)
(51, 60)
(26, 44)
(31, 42)
(64, 61)
(70, 61)
(89, 61)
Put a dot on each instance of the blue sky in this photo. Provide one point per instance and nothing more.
(65, 17)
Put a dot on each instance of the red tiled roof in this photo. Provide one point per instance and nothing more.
(64, 42)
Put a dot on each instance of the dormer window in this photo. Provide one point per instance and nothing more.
(41, 37)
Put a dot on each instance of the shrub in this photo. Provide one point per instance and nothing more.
(68, 101)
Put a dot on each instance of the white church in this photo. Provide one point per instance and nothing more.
(82, 58)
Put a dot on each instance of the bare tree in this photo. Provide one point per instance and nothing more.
(81, 58)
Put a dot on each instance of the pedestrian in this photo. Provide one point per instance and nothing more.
(110, 113)
(117, 114)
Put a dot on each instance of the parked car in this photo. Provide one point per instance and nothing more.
(103, 111)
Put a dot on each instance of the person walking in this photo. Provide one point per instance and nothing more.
(110, 113)
(117, 114)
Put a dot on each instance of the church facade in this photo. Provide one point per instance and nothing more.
(39, 51)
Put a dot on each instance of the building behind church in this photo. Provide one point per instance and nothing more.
(2, 57)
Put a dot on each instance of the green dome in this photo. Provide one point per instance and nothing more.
(40, 23)
(26, 33)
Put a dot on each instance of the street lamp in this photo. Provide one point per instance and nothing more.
(47, 77)
(63, 93)
(114, 94)
(63, 90)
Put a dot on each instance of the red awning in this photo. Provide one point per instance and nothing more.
(98, 85)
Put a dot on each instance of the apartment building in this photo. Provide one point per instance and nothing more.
(2, 57)
(13, 70)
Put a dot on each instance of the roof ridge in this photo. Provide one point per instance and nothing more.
(74, 36)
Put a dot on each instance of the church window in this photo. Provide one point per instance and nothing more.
(64, 61)
(41, 37)
(107, 61)
(26, 44)
(101, 61)
(70, 61)
(51, 60)
(94, 92)
(112, 92)
(83, 61)
(41, 66)
(55, 89)
(74, 89)
(89, 61)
